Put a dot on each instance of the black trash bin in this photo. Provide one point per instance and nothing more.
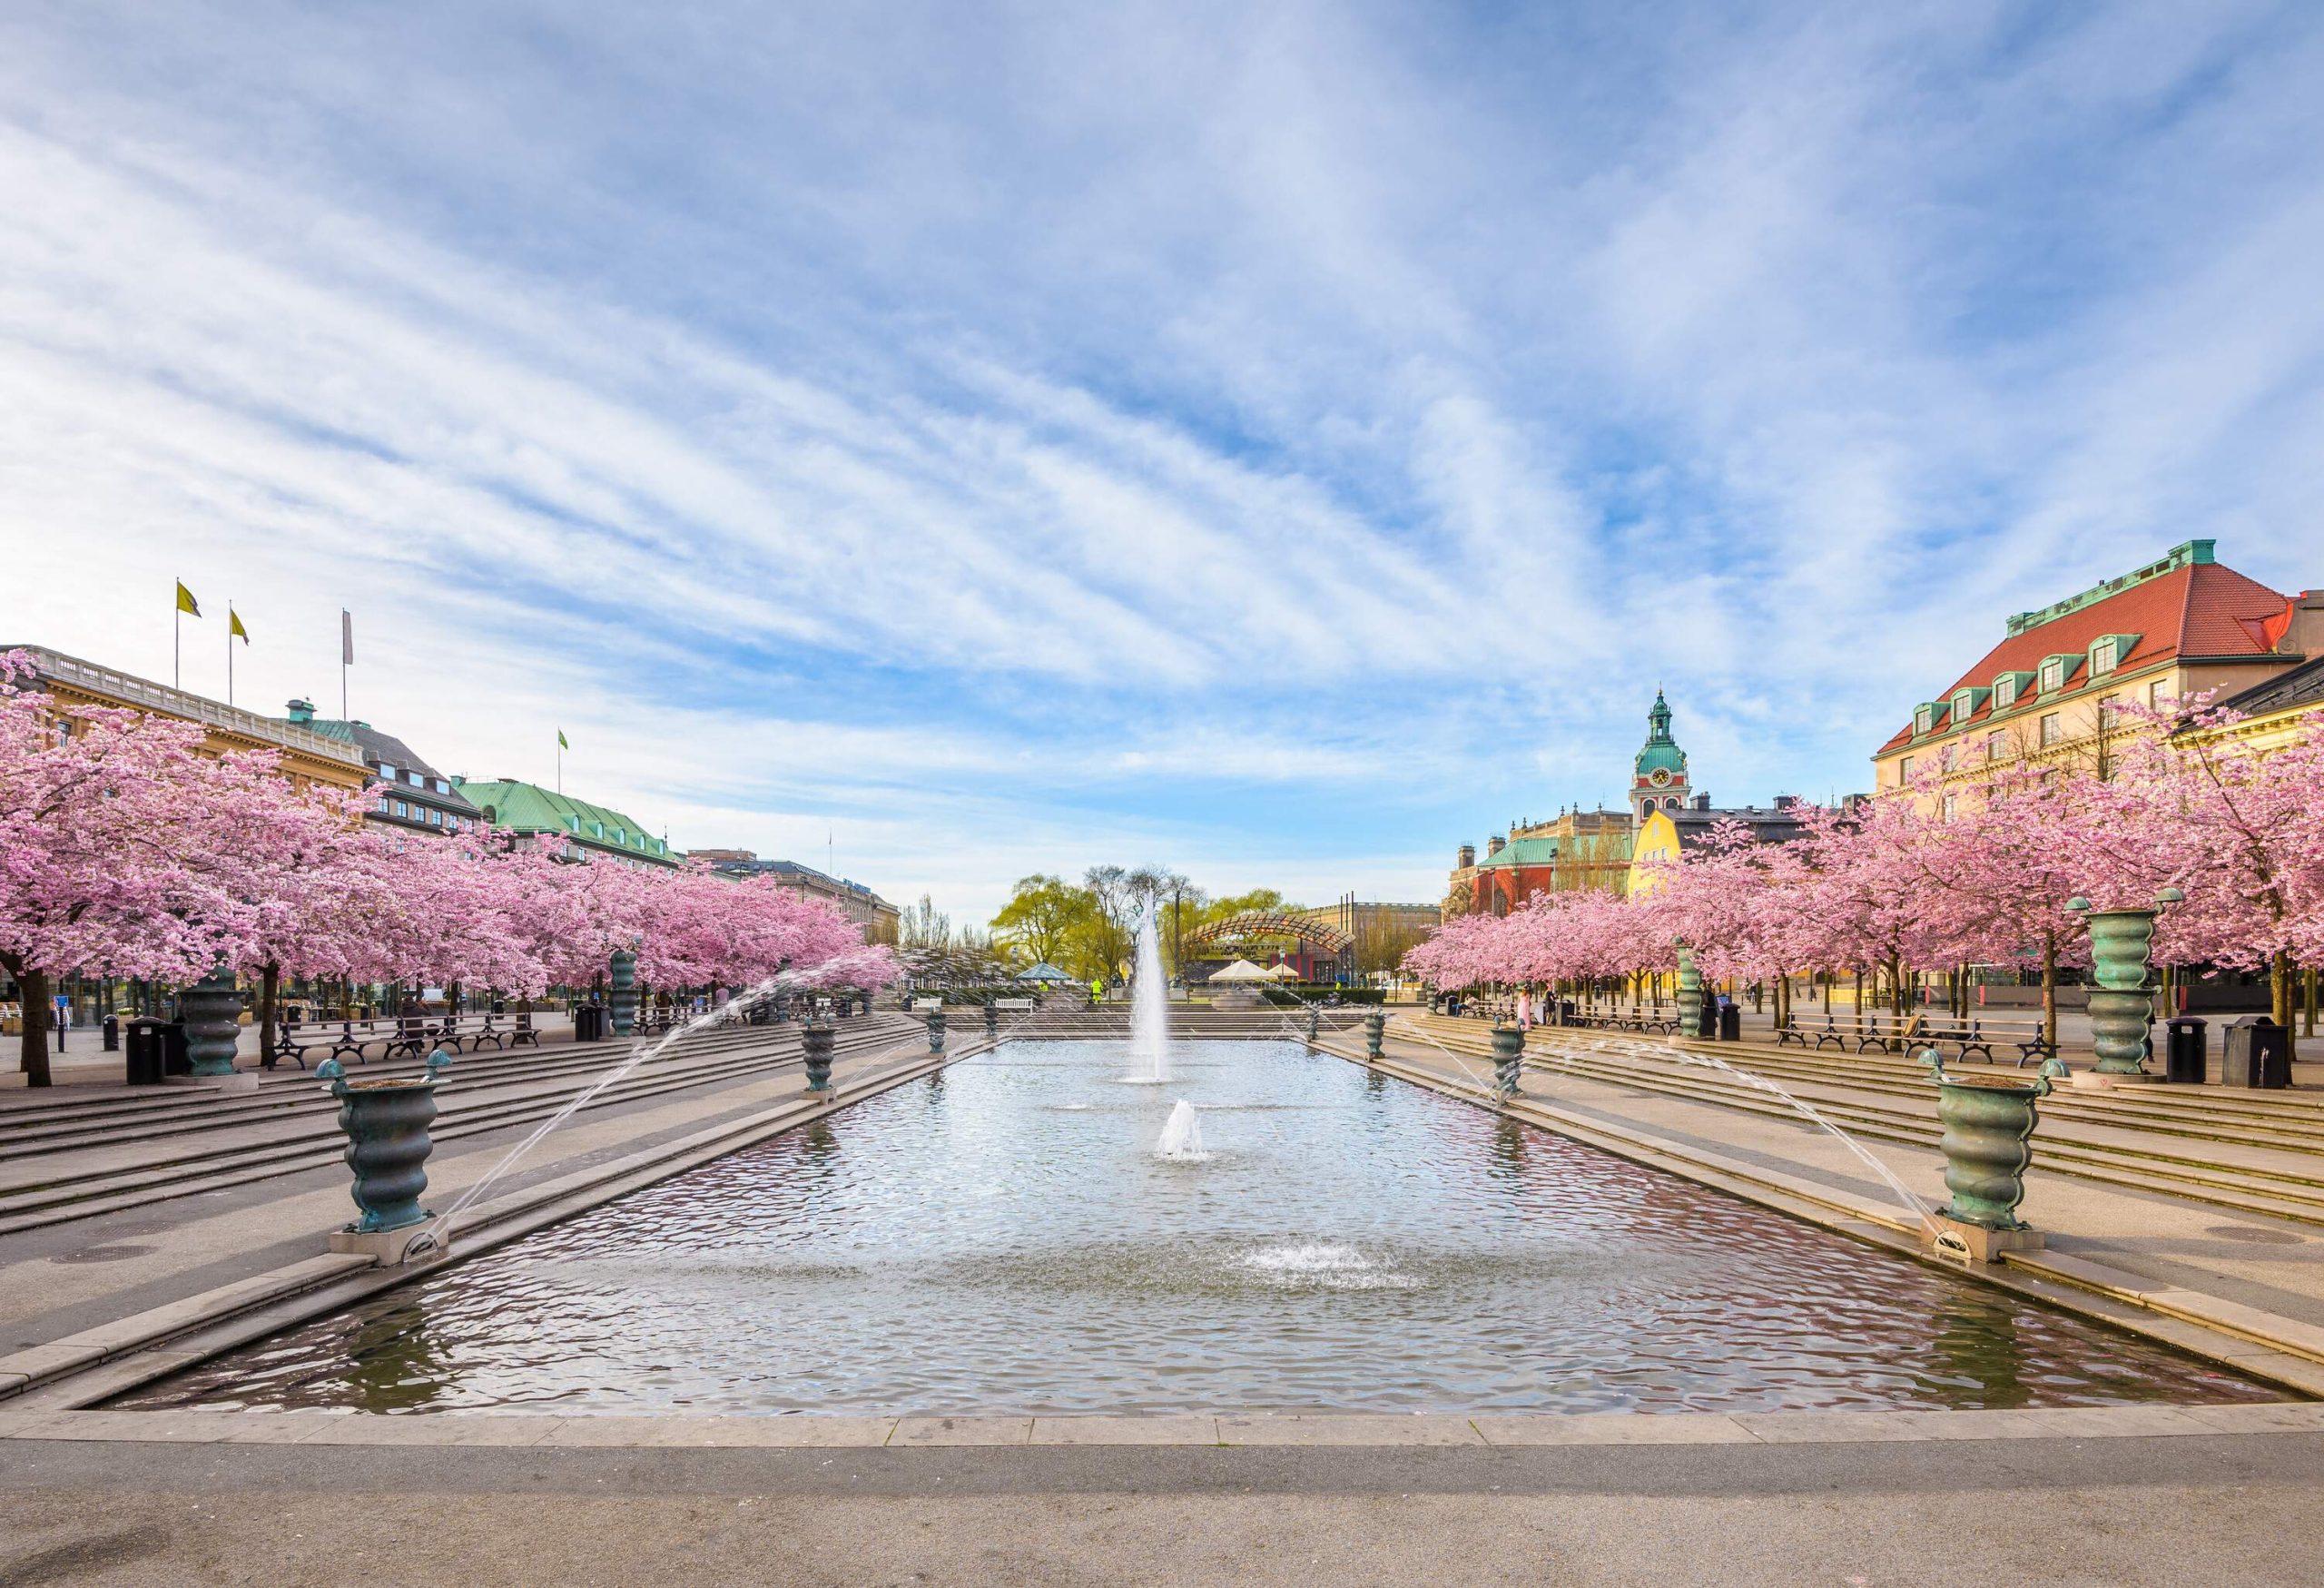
(1730, 1023)
(175, 1059)
(143, 1060)
(589, 1024)
(112, 1029)
(2186, 1051)
(2256, 1053)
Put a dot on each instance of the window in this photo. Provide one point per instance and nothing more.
(2154, 695)
(1924, 719)
(388, 771)
(2052, 728)
(443, 787)
(383, 804)
(400, 809)
(2103, 655)
(2053, 677)
(1947, 757)
(1951, 806)
(435, 818)
(1904, 769)
(1996, 744)
(2108, 712)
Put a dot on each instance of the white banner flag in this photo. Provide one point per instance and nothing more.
(346, 637)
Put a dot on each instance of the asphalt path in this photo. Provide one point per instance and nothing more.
(2178, 1511)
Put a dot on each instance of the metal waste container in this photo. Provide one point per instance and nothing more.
(143, 1062)
(112, 1029)
(2256, 1053)
(175, 1061)
(1730, 1023)
(2186, 1051)
(589, 1024)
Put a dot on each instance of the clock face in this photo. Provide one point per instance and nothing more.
(1661, 777)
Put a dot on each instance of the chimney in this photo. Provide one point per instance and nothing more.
(1702, 802)
(1495, 846)
(303, 712)
(1468, 855)
(1785, 802)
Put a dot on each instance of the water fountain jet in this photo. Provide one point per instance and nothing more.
(1181, 1139)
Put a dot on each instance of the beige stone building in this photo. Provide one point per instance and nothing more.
(2054, 688)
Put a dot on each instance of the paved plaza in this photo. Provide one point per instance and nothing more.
(2121, 1495)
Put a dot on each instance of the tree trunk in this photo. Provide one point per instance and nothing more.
(34, 987)
(2050, 989)
(270, 1001)
(1859, 1000)
(2280, 1000)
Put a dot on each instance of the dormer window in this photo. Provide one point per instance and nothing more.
(2008, 688)
(388, 771)
(2109, 651)
(1926, 720)
(2056, 671)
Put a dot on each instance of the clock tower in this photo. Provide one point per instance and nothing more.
(1658, 778)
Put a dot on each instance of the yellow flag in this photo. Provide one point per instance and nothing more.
(186, 603)
(234, 624)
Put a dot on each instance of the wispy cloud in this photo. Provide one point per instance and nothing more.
(1231, 437)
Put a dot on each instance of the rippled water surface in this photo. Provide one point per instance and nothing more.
(1002, 1239)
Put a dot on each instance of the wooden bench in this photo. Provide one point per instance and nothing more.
(1983, 1033)
(1816, 1035)
(1883, 1030)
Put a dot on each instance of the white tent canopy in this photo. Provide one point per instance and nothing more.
(1282, 972)
(1241, 970)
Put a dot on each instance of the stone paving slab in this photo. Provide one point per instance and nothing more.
(1348, 1428)
(935, 1431)
(1162, 1429)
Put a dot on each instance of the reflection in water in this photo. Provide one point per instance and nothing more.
(1008, 1242)
(389, 1363)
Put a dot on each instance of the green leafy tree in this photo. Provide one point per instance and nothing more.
(1042, 917)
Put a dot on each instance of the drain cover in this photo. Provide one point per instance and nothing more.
(101, 1254)
(2253, 1233)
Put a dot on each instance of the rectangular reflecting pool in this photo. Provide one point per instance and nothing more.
(1002, 1239)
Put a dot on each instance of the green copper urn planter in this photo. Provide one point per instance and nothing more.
(1508, 1058)
(1375, 1027)
(2121, 1004)
(1690, 997)
(211, 1011)
(936, 1028)
(386, 1120)
(1988, 1122)
(815, 1045)
(622, 979)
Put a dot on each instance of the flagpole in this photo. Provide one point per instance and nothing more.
(230, 650)
(177, 643)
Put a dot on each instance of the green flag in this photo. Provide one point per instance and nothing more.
(560, 740)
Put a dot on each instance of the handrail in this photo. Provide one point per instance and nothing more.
(58, 667)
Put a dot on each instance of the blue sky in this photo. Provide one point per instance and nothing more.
(1278, 442)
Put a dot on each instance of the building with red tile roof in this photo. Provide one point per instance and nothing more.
(2183, 626)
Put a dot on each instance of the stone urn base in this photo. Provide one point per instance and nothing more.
(2100, 1081)
(1973, 1243)
(391, 1248)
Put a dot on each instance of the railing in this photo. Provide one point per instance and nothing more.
(130, 689)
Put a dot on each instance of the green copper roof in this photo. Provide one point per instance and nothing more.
(1519, 852)
(1660, 752)
(528, 807)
